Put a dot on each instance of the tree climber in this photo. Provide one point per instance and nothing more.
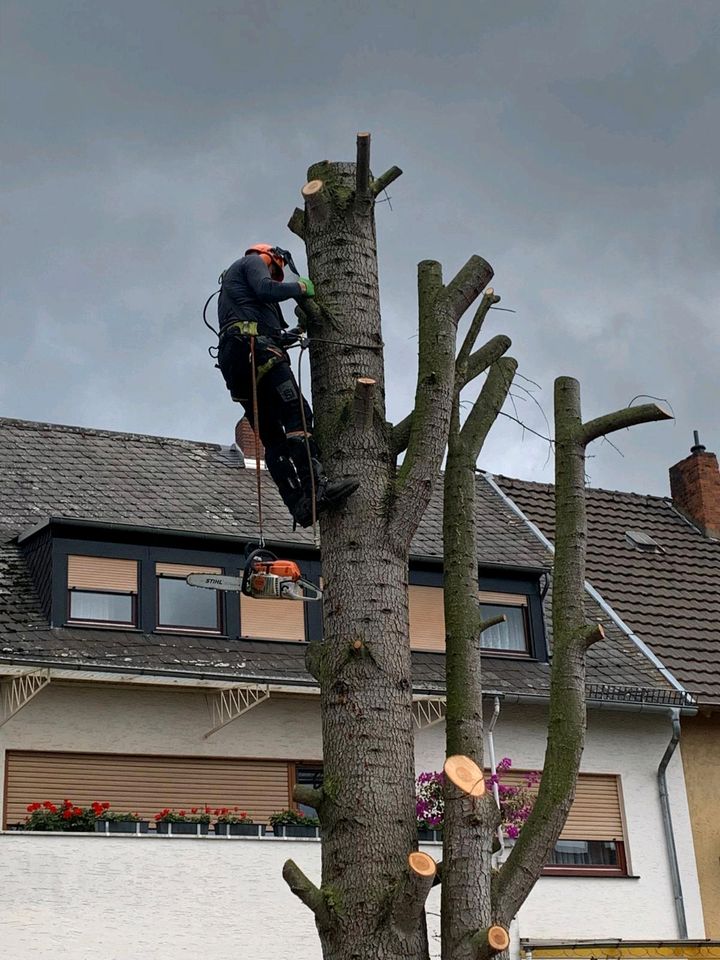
(251, 290)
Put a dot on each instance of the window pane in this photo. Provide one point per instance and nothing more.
(184, 606)
(504, 636)
(105, 607)
(311, 777)
(585, 853)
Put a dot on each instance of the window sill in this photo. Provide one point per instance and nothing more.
(190, 631)
(102, 625)
(590, 874)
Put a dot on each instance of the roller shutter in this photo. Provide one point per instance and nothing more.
(596, 813)
(144, 784)
(427, 615)
(272, 619)
(183, 569)
(102, 573)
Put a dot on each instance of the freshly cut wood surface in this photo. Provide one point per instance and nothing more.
(422, 864)
(465, 774)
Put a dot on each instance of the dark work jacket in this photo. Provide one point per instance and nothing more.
(248, 292)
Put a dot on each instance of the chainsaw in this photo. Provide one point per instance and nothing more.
(264, 578)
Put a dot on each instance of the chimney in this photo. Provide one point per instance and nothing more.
(245, 439)
(695, 488)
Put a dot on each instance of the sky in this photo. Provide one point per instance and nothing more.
(574, 144)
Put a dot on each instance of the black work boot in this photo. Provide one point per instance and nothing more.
(329, 494)
(282, 470)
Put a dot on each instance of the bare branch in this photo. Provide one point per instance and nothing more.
(478, 362)
(305, 890)
(413, 891)
(363, 402)
(296, 223)
(487, 406)
(384, 180)
(488, 299)
(362, 167)
(467, 284)
(620, 419)
(490, 942)
(492, 622)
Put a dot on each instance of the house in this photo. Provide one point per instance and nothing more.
(122, 683)
(656, 561)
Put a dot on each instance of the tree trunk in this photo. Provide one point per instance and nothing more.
(363, 665)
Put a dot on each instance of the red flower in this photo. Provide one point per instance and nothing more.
(32, 807)
(300, 813)
(208, 810)
(181, 812)
(106, 805)
(77, 811)
(67, 814)
(195, 810)
(97, 808)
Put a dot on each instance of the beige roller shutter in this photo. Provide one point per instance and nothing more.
(596, 813)
(427, 618)
(144, 784)
(183, 569)
(272, 619)
(505, 599)
(102, 573)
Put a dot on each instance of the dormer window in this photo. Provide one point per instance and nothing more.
(182, 607)
(102, 590)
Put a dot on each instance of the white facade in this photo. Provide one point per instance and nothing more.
(126, 898)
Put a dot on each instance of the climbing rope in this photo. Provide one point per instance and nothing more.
(257, 441)
(303, 347)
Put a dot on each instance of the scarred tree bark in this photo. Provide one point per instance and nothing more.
(368, 905)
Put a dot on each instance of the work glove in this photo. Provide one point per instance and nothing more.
(309, 290)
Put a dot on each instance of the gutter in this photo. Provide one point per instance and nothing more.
(667, 824)
(633, 637)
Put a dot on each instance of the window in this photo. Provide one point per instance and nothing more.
(512, 635)
(593, 838)
(102, 590)
(311, 775)
(272, 619)
(182, 607)
(427, 621)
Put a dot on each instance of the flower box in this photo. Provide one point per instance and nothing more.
(427, 834)
(121, 826)
(295, 830)
(182, 828)
(240, 829)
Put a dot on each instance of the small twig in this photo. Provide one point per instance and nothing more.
(525, 427)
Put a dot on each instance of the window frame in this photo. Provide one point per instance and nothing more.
(180, 628)
(620, 869)
(501, 651)
(527, 583)
(72, 621)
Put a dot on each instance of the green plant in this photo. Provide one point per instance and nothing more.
(102, 811)
(63, 816)
(291, 817)
(236, 815)
(194, 815)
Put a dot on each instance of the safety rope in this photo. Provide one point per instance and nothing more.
(303, 346)
(257, 441)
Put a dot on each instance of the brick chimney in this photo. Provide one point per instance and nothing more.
(695, 488)
(245, 439)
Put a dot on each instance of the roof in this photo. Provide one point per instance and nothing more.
(167, 484)
(669, 598)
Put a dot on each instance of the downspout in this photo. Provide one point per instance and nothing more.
(667, 823)
(493, 770)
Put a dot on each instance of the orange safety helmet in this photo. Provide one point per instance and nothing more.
(271, 256)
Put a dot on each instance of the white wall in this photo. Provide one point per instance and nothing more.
(183, 895)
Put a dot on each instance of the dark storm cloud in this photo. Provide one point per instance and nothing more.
(573, 144)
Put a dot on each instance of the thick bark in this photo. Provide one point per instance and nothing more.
(572, 635)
